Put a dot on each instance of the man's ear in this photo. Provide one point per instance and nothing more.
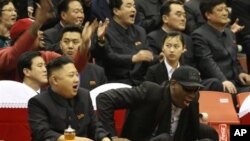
(165, 18)
(26, 72)
(115, 11)
(63, 15)
(53, 79)
(207, 14)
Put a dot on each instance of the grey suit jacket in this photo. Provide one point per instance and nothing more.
(216, 53)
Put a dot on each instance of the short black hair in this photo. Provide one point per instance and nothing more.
(115, 4)
(207, 6)
(71, 28)
(57, 64)
(25, 61)
(174, 34)
(63, 6)
(165, 8)
(2, 4)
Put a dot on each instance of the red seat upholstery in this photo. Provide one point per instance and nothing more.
(221, 111)
(119, 117)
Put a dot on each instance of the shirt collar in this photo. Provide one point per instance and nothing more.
(170, 69)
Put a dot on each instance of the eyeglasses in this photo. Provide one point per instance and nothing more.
(191, 89)
(10, 10)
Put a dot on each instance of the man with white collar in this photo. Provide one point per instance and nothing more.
(32, 70)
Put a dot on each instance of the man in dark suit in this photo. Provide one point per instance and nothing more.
(70, 42)
(170, 111)
(71, 12)
(173, 19)
(63, 104)
(123, 46)
(216, 51)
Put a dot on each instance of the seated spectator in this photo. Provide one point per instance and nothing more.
(122, 47)
(216, 51)
(169, 112)
(63, 104)
(8, 17)
(70, 42)
(173, 19)
(71, 12)
(32, 70)
(172, 49)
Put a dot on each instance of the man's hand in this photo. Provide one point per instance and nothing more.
(82, 139)
(143, 55)
(87, 33)
(102, 29)
(229, 87)
(244, 78)
(30, 10)
(235, 27)
(44, 11)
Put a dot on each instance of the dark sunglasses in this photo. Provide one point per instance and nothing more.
(191, 89)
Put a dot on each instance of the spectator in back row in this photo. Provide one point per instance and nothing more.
(216, 51)
(173, 18)
(123, 47)
(8, 17)
(71, 12)
(70, 42)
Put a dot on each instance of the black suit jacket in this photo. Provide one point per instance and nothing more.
(216, 53)
(50, 114)
(52, 38)
(194, 16)
(157, 73)
(120, 46)
(101, 10)
(156, 41)
(92, 76)
(148, 14)
(149, 106)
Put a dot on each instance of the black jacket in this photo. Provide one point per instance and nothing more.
(149, 106)
(50, 114)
